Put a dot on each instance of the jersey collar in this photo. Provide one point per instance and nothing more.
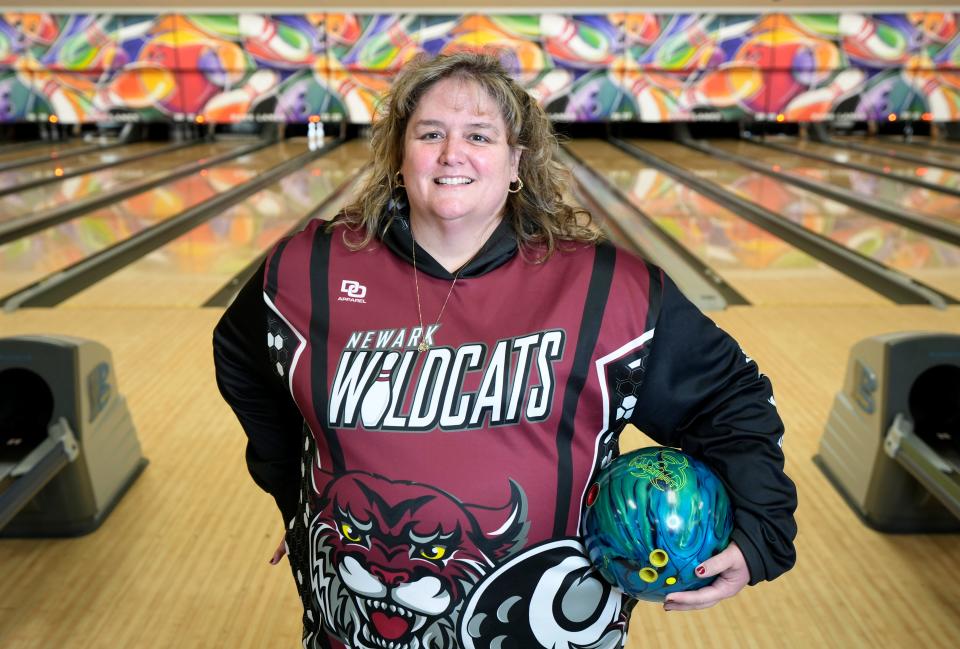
(498, 250)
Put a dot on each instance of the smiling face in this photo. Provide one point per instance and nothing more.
(457, 162)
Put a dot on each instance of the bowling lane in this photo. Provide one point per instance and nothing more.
(888, 147)
(51, 150)
(613, 231)
(930, 174)
(911, 198)
(930, 261)
(52, 168)
(32, 258)
(921, 142)
(48, 197)
(762, 267)
(191, 268)
(927, 143)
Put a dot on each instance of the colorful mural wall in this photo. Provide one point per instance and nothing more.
(650, 67)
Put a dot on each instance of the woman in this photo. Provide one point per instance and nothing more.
(460, 352)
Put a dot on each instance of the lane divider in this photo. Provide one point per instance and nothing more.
(887, 281)
(943, 230)
(100, 166)
(225, 294)
(910, 180)
(704, 286)
(59, 286)
(25, 162)
(30, 223)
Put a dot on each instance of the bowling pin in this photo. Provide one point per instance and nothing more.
(655, 103)
(551, 84)
(233, 105)
(563, 36)
(65, 106)
(264, 35)
(320, 134)
(377, 399)
(312, 136)
(928, 85)
(818, 104)
(861, 32)
(359, 107)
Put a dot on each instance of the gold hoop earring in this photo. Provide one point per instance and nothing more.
(398, 181)
(519, 186)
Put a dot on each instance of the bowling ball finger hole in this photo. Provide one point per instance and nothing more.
(648, 574)
(626, 527)
(659, 558)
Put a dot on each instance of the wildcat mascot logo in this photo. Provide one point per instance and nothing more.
(393, 561)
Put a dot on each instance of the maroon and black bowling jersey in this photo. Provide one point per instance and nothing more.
(431, 475)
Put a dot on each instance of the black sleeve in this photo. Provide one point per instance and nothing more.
(259, 398)
(701, 393)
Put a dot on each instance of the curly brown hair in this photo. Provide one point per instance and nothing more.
(538, 214)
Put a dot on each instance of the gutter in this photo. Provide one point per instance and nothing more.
(59, 286)
(30, 223)
(700, 283)
(889, 282)
(943, 230)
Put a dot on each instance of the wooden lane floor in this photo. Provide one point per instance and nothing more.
(190, 269)
(66, 191)
(184, 551)
(56, 167)
(910, 198)
(762, 267)
(918, 142)
(51, 149)
(923, 258)
(928, 143)
(612, 231)
(930, 174)
(29, 259)
(889, 147)
(852, 587)
(182, 560)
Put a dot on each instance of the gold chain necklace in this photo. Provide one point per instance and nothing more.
(424, 345)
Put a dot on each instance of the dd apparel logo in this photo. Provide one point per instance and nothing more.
(354, 291)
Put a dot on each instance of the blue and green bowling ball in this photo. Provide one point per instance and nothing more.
(652, 516)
